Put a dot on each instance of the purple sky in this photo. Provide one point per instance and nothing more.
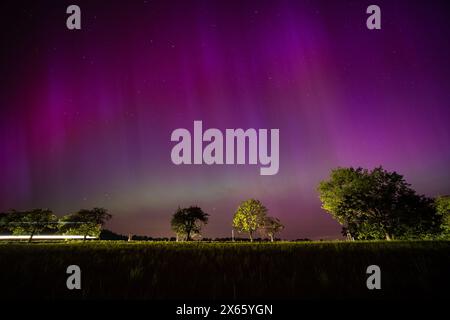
(86, 116)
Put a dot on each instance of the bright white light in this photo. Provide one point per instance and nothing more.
(44, 237)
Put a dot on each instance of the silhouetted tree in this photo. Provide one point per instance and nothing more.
(188, 221)
(106, 234)
(249, 217)
(4, 223)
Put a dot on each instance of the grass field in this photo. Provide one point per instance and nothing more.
(168, 270)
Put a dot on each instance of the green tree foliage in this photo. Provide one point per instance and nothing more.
(249, 217)
(84, 222)
(187, 222)
(337, 194)
(29, 222)
(377, 204)
(271, 226)
(443, 209)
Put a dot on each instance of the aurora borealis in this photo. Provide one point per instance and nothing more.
(86, 115)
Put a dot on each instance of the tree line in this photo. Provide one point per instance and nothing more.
(85, 222)
(369, 204)
(250, 217)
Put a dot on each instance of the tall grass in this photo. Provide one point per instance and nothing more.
(168, 270)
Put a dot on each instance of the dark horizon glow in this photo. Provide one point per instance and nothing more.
(86, 116)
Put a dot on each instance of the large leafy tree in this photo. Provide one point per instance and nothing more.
(85, 222)
(187, 222)
(377, 204)
(249, 217)
(342, 196)
(271, 226)
(29, 222)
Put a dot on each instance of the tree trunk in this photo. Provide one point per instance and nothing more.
(31, 237)
(188, 236)
(271, 237)
(84, 238)
(388, 237)
(251, 238)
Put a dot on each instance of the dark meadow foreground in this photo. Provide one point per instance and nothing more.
(168, 270)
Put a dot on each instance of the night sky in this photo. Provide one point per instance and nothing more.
(86, 116)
